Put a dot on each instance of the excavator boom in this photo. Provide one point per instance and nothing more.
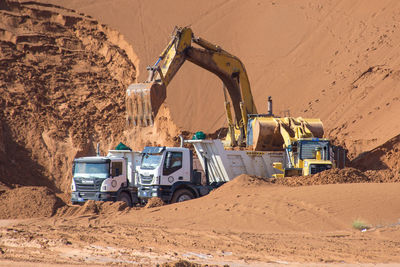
(143, 100)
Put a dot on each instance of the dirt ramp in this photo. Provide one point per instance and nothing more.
(63, 77)
(28, 202)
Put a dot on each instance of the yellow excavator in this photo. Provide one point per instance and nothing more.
(248, 128)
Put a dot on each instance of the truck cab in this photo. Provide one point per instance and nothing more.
(167, 173)
(105, 178)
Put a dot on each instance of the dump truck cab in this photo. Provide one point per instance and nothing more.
(314, 155)
(164, 171)
(105, 178)
(306, 156)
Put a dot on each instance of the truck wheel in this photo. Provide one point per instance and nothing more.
(125, 198)
(182, 195)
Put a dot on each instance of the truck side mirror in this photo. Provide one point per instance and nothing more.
(116, 172)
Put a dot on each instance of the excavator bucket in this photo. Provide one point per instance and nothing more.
(143, 101)
(266, 133)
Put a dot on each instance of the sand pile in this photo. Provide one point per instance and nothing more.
(92, 207)
(384, 157)
(154, 202)
(340, 176)
(183, 263)
(333, 176)
(28, 202)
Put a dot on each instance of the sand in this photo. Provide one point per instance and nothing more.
(28, 202)
(64, 69)
(246, 221)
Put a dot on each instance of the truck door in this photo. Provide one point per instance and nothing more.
(174, 168)
(118, 174)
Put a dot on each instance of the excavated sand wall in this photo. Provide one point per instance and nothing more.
(62, 80)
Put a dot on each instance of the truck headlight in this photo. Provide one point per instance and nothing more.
(73, 186)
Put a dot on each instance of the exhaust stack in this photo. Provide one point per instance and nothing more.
(270, 106)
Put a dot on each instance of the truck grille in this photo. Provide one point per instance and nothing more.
(316, 168)
(146, 179)
(88, 187)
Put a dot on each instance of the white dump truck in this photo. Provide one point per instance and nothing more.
(169, 172)
(106, 178)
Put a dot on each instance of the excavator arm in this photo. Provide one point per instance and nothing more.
(144, 99)
(263, 132)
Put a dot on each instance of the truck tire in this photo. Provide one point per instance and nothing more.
(182, 195)
(125, 198)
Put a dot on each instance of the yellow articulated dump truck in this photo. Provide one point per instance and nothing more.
(301, 139)
(306, 152)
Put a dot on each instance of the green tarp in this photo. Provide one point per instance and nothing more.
(122, 146)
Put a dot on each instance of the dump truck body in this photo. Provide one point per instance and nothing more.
(223, 165)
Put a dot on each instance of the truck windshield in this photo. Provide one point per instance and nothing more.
(151, 161)
(308, 149)
(95, 170)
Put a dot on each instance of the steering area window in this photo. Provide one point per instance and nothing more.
(116, 169)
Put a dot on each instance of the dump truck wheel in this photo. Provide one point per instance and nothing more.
(125, 198)
(182, 195)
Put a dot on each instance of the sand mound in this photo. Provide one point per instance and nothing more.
(255, 205)
(183, 263)
(340, 176)
(154, 202)
(386, 156)
(92, 207)
(28, 202)
(333, 176)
